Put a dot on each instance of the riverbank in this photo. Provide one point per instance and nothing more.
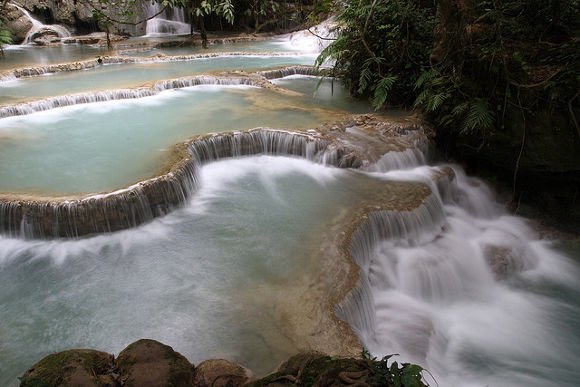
(148, 363)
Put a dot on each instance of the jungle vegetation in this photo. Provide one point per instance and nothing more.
(499, 80)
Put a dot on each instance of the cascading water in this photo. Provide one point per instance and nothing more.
(38, 27)
(314, 39)
(465, 289)
(170, 21)
(457, 285)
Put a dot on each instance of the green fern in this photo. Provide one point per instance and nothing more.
(5, 37)
(478, 117)
(382, 89)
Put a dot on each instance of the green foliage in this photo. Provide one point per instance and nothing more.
(378, 43)
(394, 374)
(465, 71)
(5, 38)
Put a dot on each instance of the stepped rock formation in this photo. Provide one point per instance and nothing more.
(357, 142)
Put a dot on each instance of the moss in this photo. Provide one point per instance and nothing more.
(316, 369)
(60, 368)
(165, 365)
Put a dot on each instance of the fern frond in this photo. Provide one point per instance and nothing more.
(364, 79)
(436, 101)
(479, 116)
(424, 77)
(382, 89)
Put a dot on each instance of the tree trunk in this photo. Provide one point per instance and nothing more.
(202, 31)
(109, 44)
(451, 34)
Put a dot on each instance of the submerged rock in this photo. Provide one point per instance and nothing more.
(150, 363)
(77, 367)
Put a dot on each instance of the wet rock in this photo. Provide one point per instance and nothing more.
(220, 373)
(503, 261)
(15, 22)
(44, 36)
(299, 362)
(150, 363)
(318, 369)
(77, 367)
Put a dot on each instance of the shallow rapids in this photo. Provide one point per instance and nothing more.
(478, 300)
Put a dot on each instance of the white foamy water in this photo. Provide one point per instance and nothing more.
(312, 40)
(37, 26)
(478, 300)
(170, 21)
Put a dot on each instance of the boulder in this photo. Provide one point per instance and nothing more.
(150, 363)
(76, 367)
(15, 22)
(44, 36)
(220, 373)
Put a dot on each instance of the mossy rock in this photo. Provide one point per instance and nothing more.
(150, 363)
(77, 367)
(220, 373)
(318, 369)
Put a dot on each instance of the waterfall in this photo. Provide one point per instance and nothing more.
(293, 70)
(122, 94)
(89, 64)
(141, 92)
(315, 39)
(69, 100)
(37, 27)
(139, 203)
(169, 22)
(438, 285)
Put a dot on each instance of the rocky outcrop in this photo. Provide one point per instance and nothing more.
(66, 12)
(78, 15)
(44, 36)
(15, 22)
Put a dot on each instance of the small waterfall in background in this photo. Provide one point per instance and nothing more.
(169, 22)
(39, 28)
(314, 39)
(463, 288)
